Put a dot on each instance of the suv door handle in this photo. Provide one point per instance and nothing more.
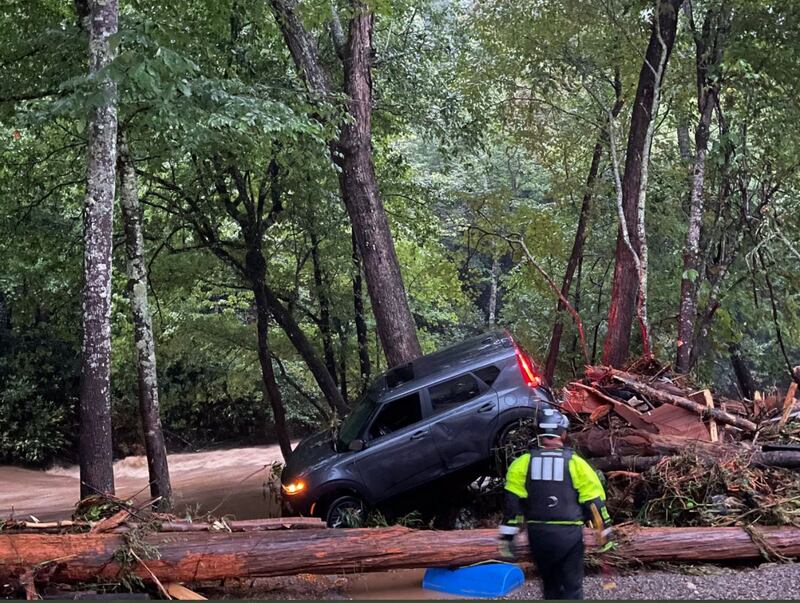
(486, 407)
(417, 435)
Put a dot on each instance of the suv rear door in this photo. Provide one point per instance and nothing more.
(465, 411)
(400, 453)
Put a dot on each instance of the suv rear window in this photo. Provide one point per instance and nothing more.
(454, 392)
(397, 414)
(488, 374)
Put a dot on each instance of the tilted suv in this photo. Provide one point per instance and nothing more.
(416, 423)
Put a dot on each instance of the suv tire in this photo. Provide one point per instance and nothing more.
(513, 440)
(346, 512)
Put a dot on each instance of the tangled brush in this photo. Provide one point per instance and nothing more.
(693, 490)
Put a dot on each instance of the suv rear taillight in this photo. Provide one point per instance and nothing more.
(529, 374)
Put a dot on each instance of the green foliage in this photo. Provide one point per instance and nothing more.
(34, 429)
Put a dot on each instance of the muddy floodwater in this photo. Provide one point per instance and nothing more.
(225, 482)
(221, 482)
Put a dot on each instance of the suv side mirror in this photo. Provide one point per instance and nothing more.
(356, 445)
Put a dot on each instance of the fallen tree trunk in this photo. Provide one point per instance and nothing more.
(177, 525)
(636, 442)
(784, 460)
(669, 398)
(187, 557)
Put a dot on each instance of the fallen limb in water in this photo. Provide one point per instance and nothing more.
(196, 556)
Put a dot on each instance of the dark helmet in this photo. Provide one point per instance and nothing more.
(551, 423)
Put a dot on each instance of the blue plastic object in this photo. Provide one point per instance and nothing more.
(483, 580)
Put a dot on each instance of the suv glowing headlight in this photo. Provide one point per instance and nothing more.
(293, 488)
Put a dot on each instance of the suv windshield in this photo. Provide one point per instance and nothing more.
(351, 426)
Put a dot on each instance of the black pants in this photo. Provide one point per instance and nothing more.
(558, 554)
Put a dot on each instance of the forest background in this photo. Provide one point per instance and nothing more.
(304, 194)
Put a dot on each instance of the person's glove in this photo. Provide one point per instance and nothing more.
(505, 542)
(608, 539)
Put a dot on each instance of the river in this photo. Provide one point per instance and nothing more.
(225, 482)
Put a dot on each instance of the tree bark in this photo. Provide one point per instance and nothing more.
(304, 347)
(633, 462)
(324, 309)
(362, 335)
(353, 153)
(708, 53)
(5, 324)
(743, 376)
(270, 386)
(625, 291)
(202, 556)
(393, 318)
(144, 340)
(96, 471)
(494, 277)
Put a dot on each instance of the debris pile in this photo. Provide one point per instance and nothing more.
(679, 455)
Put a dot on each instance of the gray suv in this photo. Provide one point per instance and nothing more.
(417, 423)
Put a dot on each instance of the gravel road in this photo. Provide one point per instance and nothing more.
(767, 581)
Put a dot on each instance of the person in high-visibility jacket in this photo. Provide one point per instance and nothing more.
(555, 491)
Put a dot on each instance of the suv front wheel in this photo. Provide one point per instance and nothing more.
(346, 512)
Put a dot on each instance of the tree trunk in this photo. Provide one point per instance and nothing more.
(494, 277)
(634, 462)
(256, 269)
(359, 186)
(743, 376)
(343, 337)
(708, 52)
(362, 335)
(5, 324)
(144, 341)
(574, 257)
(393, 317)
(625, 291)
(96, 471)
(324, 309)
(304, 347)
(204, 556)
(684, 144)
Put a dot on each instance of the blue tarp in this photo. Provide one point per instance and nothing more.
(483, 580)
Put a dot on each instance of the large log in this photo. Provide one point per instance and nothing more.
(196, 556)
(636, 450)
(781, 459)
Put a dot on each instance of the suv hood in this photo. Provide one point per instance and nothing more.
(313, 452)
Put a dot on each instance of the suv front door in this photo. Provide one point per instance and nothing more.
(400, 453)
(465, 410)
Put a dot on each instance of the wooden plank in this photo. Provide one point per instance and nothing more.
(788, 404)
(676, 421)
(181, 593)
(712, 423)
(631, 415)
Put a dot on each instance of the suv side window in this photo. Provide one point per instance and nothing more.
(450, 394)
(397, 414)
(488, 374)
